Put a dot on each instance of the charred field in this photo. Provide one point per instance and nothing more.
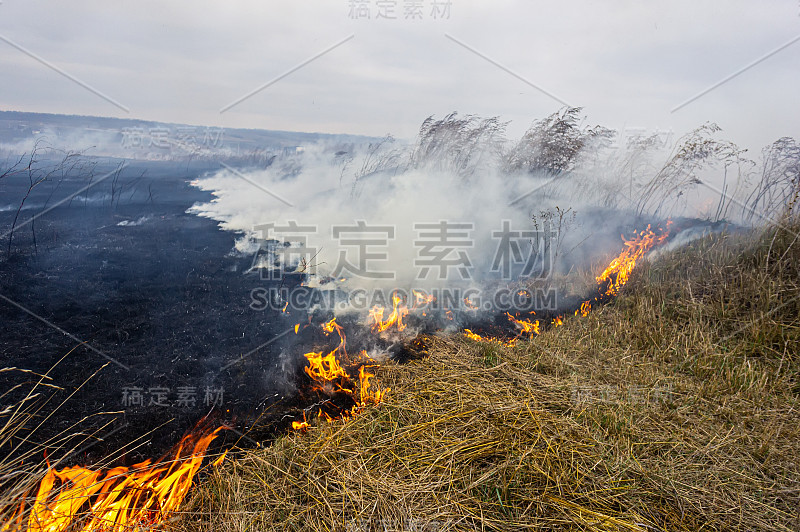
(162, 302)
(185, 348)
(673, 407)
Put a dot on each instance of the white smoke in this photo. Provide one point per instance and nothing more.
(392, 202)
(460, 171)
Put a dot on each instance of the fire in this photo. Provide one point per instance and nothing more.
(135, 498)
(145, 495)
(469, 304)
(367, 395)
(610, 282)
(616, 275)
(218, 461)
(324, 415)
(489, 339)
(399, 311)
(525, 326)
(326, 369)
(421, 299)
(300, 425)
(619, 270)
(331, 326)
(329, 376)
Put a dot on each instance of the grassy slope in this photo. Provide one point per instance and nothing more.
(674, 408)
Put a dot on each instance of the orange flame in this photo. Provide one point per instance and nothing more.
(617, 273)
(330, 376)
(399, 311)
(525, 326)
(619, 270)
(331, 326)
(325, 369)
(365, 394)
(421, 299)
(120, 499)
(610, 282)
(301, 425)
(469, 304)
(489, 339)
(586, 307)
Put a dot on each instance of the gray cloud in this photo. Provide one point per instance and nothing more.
(627, 63)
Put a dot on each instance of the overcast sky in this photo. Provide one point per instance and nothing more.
(628, 63)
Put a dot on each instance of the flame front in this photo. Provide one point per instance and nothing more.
(617, 273)
(366, 394)
(585, 309)
(129, 499)
(609, 284)
(526, 327)
(619, 270)
(326, 370)
(489, 339)
(330, 377)
(399, 311)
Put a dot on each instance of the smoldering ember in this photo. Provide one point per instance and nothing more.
(527, 318)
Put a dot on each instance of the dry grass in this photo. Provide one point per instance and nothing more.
(675, 408)
(25, 456)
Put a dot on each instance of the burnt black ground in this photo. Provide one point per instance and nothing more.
(166, 299)
(168, 304)
(163, 303)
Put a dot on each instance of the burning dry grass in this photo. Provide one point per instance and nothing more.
(37, 494)
(675, 408)
(24, 462)
(692, 379)
(459, 444)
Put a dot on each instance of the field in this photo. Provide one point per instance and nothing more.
(673, 408)
(127, 314)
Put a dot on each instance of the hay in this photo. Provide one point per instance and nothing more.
(675, 408)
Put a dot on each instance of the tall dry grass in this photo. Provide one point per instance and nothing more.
(26, 454)
(674, 408)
